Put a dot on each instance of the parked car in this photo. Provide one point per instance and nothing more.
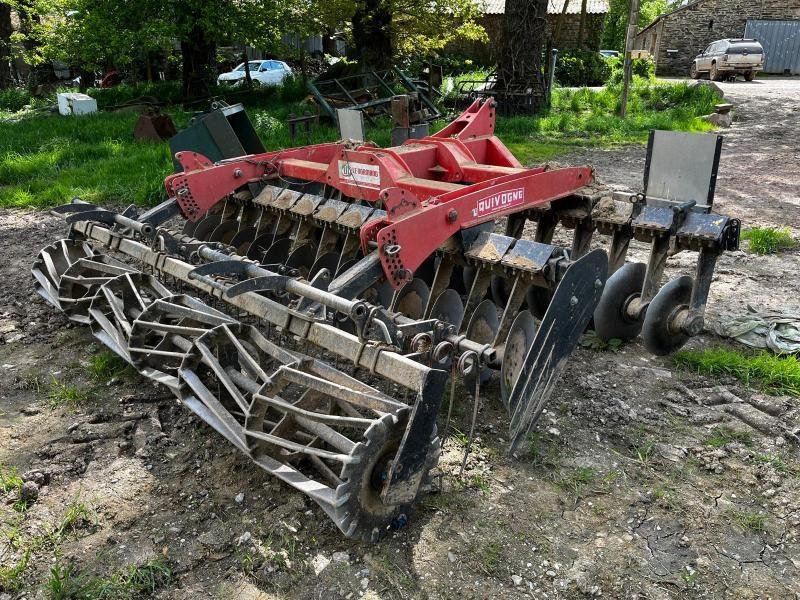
(262, 72)
(729, 58)
(609, 53)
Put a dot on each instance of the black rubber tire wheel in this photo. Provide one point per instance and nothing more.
(610, 320)
(749, 76)
(713, 74)
(693, 72)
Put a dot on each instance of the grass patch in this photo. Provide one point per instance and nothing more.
(724, 435)
(106, 365)
(768, 240)
(776, 374)
(9, 479)
(137, 581)
(12, 570)
(48, 159)
(749, 520)
(69, 395)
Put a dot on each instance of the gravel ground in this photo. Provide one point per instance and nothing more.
(628, 489)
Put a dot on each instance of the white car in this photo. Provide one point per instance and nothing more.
(262, 72)
(728, 58)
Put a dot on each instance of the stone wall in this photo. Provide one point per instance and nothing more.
(676, 38)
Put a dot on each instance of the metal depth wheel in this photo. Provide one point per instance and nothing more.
(661, 333)
(611, 319)
(518, 343)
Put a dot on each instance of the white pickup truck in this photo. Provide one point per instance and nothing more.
(729, 57)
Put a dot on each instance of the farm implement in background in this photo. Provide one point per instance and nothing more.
(266, 281)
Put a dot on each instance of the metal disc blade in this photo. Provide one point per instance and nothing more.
(189, 227)
(449, 308)
(242, 240)
(518, 343)
(224, 232)
(206, 226)
(301, 258)
(427, 270)
(329, 260)
(467, 277)
(411, 300)
(500, 288)
(483, 325)
(277, 252)
(658, 333)
(610, 318)
(538, 299)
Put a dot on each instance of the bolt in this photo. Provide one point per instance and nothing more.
(452, 216)
(237, 173)
(573, 301)
(598, 284)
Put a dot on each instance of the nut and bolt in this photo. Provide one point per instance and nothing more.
(452, 216)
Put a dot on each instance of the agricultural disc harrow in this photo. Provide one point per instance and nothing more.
(385, 260)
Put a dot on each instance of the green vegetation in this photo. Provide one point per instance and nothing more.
(748, 519)
(137, 581)
(9, 479)
(106, 365)
(723, 435)
(768, 240)
(76, 516)
(46, 160)
(69, 395)
(776, 374)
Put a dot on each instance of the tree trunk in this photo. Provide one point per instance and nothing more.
(372, 34)
(582, 27)
(247, 77)
(197, 53)
(5, 46)
(520, 79)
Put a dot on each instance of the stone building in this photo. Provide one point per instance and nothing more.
(675, 38)
(568, 31)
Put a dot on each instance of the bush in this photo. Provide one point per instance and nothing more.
(14, 99)
(643, 68)
(169, 93)
(578, 68)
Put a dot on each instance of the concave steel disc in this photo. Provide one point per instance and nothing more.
(206, 225)
(224, 232)
(276, 254)
(518, 343)
(483, 325)
(610, 318)
(301, 258)
(329, 260)
(449, 308)
(412, 298)
(659, 338)
(242, 240)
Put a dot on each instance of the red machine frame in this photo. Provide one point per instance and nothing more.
(430, 188)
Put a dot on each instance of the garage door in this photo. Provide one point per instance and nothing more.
(781, 42)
